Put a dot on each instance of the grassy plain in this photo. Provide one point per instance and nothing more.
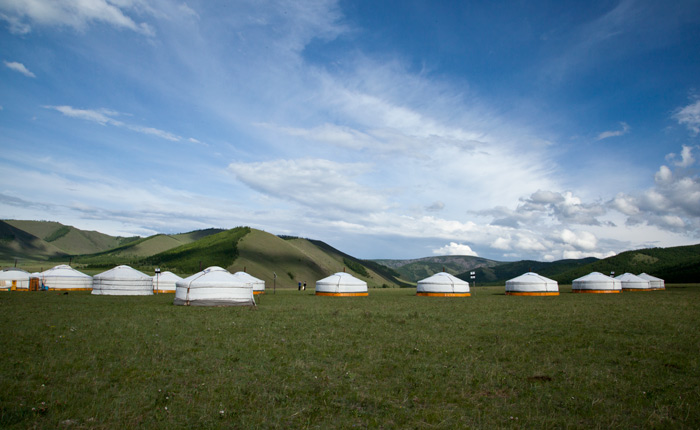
(390, 360)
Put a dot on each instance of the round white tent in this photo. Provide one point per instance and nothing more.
(442, 285)
(654, 282)
(596, 282)
(165, 282)
(122, 281)
(258, 284)
(65, 278)
(14, 279)
(532, 284)
(341, 284)
(213, 286)
(632, 282)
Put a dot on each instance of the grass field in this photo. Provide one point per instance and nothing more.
(390, 360)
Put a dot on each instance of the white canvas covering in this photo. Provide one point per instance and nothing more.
(258, 284)
(17, 277)
(532, 284)
(596, 282)
(213, 286)
(165, 282)
(341, 284)
(442, 284)
(654, 282)
(65, 278)
(122, 281)
(632, 282)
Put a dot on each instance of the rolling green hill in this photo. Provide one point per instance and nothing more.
(505, 271)
(68, 239)
(421, 268)
(679, 264)
(16, 243)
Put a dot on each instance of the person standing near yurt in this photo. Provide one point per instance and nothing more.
(597, 283)
(122, 281)
(341, 284)
(442, 285)
(532, 284)
(213, 286)
(65, 278)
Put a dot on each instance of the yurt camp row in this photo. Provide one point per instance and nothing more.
(216, 286)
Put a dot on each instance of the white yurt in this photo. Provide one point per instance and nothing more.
(122, 281)
(596, 282)
(65, 278)
(341, 284)
(258, 284)
(165, 282)
(442, 285)
(14, 279)
(654, 282)
(213, 286)
(532, 284)
(632, 282)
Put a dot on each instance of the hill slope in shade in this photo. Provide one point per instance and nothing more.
(17, 243)
(68, 239)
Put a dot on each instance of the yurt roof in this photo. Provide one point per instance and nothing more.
(168, 277)
(632, 278)
(342, 278)
(122, 272)
(649, 277)
(531, 278)
(596, 281)
(14, 274)
(63, 270)
(443, 278)
(243, 276)
(212, 277)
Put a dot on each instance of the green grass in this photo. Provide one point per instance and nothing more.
(390, 360)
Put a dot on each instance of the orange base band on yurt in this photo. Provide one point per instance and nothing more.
(637, 289)
(444, 294)
(341, 294)
(596, 291)
(258, 292)
(163, 291)
(510, 293)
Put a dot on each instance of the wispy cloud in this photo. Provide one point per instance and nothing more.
(614, 133)
(690, 117)
(19, 67)
(105, 117)
(316, 184)
(78, 15)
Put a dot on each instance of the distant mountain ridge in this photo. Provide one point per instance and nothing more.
(289, 260)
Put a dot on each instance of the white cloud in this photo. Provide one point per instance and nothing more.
(78, 15)
(614, 133)
(19, 67)
(454, 248)
(105, 117)
(690, 117)
(672, 204)
(316, 184)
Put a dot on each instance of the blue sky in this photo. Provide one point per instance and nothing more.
(388, 129)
